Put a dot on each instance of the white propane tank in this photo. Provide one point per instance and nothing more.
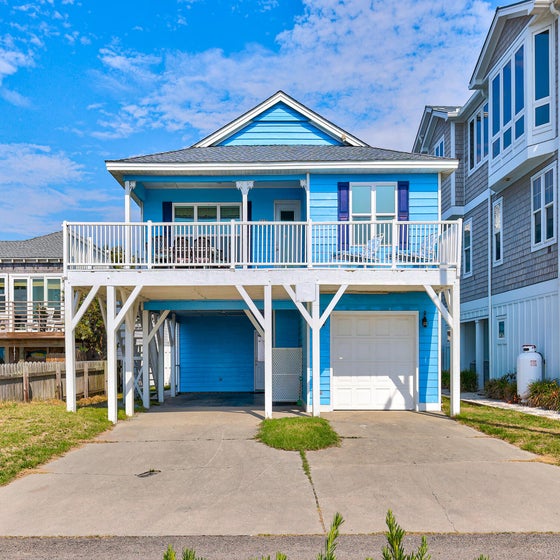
(529, 369)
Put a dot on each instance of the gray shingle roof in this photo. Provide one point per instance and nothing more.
(38, 248)
(276, 153)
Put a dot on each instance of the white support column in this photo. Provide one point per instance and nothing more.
(316, 352)
(111, 355)
(70, 347)
(455, 373)
(145, 359)
(128, 373)
(128, 188)
(172, 332)
(161, 363)
(268, 351)
(245, 187)
(479, 352)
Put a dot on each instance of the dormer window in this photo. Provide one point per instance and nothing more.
(439, 148)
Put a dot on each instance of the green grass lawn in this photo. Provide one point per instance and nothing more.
(302, 433)
(531, 433)
(32, 433)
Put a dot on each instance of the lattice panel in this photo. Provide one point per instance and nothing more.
(286, 374)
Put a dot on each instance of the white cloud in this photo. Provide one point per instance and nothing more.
(368, 65)
(39, 188)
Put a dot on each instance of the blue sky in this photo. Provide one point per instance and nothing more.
(84, 81)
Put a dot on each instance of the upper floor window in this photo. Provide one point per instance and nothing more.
(542, 78)
(542, 207)
(2, 294)
(507, 103)
(478, 137)
(370, 203)
(497, 254)
(467, 247)
(206, 212)
(439, 148)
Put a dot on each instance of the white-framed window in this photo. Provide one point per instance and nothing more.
(206, 212)
(507, 103)
(439, 148)
(467, 248)
(372, 202)
(497, 245)
(478, 137)
(542, 91)
(543, 220)
(501, 330)
(3, 282)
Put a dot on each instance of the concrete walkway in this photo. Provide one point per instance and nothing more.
(202, 473)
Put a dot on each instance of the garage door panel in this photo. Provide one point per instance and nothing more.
(374, 370)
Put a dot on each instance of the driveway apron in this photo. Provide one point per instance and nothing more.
(182, 471)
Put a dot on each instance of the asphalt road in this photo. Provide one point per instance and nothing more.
(500, 546)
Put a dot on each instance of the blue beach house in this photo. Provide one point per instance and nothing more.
(282, 255)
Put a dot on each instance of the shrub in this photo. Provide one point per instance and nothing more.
(504, 388)
(544, 394)
(394, 549)
(469, 380)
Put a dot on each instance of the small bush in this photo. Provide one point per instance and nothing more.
(504, 388)
(469, 380)
(544, 394)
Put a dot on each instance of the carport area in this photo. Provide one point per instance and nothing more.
(182, 471)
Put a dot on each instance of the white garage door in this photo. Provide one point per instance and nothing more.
(373, 357)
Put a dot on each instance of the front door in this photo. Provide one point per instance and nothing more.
(289, 238)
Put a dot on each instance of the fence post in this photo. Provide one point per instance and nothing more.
(25, 379)
(58, 387)
(86, 380)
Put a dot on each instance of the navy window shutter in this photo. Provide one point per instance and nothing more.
(403, 212)
(343, 215)
(166, 211)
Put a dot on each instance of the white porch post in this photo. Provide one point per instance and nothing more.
(268, 351)
(70, 347)
(111, 355)
(128, 378)
(316, 352)
(455, 377)
(128, 188)
(161, 363)
(172, 332)
(145, 359)
(245, 187)
(479, 349)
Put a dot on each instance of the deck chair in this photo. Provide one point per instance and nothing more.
(361, 253)
(426, 251)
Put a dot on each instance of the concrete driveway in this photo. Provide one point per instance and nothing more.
(203, 474)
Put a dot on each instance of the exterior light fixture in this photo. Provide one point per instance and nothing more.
(424, 320)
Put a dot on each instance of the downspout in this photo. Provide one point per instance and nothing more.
(490, 318)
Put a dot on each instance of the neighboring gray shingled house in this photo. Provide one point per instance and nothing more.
(31, 309)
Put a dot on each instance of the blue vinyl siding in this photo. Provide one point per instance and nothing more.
(217, 353)
(280, 125)
(428, 337)
(287, 332)
(423, 194)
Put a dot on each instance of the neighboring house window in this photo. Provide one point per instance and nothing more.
(467, 247)
(542, 206)
(206, 212)
(439, 148)
(372, 203)
(478, 137)
(497, 249)
(542, 77)
(507, 103)
(2, 294)
(501, 329)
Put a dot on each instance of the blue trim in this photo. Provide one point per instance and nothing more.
(212, 305)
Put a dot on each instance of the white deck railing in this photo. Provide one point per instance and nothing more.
(31, 316)
(234, 244)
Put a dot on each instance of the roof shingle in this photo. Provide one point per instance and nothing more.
(38, 248)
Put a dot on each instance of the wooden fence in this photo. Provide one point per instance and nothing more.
(26, 381)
